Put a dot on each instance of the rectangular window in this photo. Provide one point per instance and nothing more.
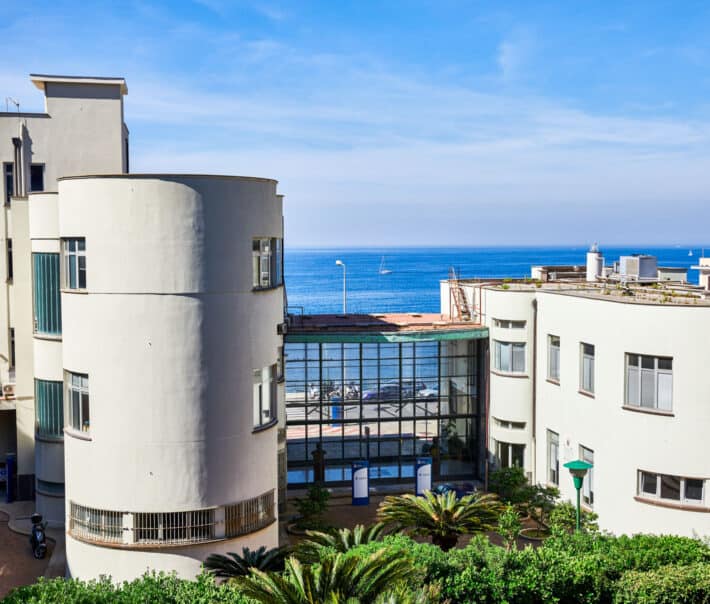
(75, 263)
(587, 368)
(553, 358)
(553, 457)
(671, 488)
(649, 382)
(12, 347)
(49, 421)
(267, 263)
(9, 260)
(46, 296)
(36, 178)
(588, 486)
(510, 455)
(78, 416)
(508, 324)
(9, 181)
(509, 356)
(265, 395)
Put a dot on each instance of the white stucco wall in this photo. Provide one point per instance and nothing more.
(169, 332)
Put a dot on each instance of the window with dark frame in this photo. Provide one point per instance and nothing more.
(36, 178)
(8, 174)
(10, 269)
(75, 263)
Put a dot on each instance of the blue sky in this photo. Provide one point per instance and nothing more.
(409, 123)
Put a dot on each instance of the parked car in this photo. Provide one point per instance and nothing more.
(390, 391)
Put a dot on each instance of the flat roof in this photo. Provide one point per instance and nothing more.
(40, 80)
(169, 175)
(380, 327)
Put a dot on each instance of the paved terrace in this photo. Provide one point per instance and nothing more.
(405, 324)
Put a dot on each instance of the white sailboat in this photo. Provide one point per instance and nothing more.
(383, 270)
(690, 252)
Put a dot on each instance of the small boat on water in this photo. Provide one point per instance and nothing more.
(690, 252)
(383, 270)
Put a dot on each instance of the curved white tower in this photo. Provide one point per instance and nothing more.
(595, 263)
(170, 304)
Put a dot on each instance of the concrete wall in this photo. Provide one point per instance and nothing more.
(169, 332)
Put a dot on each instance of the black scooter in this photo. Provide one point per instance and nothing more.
(38, 539)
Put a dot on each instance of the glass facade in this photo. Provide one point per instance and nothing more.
(49, 409)
(387, 402)
(45, 294)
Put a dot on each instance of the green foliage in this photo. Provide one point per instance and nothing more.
(541, 503)
(312, 507)
(511, 485)
(564, 518)
(666, 585)
(337, 579)
(509, 527)
(443, 517)
(312, 549)
(156, 588)
(235, 565)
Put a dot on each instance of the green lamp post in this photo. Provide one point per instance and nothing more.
(578, 469)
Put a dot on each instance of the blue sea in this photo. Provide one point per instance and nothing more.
(314, 282)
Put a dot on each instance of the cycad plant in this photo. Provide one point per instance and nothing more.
(336, 580)
(441, 517)
(234, 565)
(311, 549)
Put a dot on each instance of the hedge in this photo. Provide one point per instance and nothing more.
(666, 585)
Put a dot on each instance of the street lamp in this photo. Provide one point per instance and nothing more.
(578, 469)
(345, 301)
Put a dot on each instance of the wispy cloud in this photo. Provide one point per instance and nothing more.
(514, 52)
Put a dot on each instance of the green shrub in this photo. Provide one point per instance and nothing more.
(510, 484)
(154, 588)
(564, 518)
(312, 507)
(666, 585)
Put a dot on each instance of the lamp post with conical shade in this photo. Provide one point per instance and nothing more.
(578, 469)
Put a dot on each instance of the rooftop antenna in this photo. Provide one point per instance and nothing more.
(8, 100)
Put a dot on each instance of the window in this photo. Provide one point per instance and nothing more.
(510, 455)
(509, 356)
(45, 294)
(553, 358)
(649, 382)
(280, 365)
(75, 263)
(553, 457)
(507, 324)
(12, 347)
(47, 487)
(264, 395)
(95, 525)
(588, 486)
(509, 425)
(78, 401)
(587, 368)
(49, 409)
(249, 515)
(174, 527)
(9, 181)
(267, 263)
(671, 488)
(36, 178)
(9, 260)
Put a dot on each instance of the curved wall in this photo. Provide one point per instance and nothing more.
(47, 355)
(169, 333)
(511, 394)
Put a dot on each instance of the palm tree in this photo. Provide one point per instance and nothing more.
(233, 565)
(336, 580)
(442, 517)
(310, 550)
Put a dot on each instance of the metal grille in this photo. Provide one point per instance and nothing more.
(174, 527)
(96, 525)
(249, 515)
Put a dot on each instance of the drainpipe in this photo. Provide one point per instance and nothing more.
(533, 442)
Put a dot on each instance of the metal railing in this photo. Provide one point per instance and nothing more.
(250, 515)
(95, 525)
(174, 527)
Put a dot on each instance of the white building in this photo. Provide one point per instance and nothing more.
(615, 374)
(81, 131)
(144, 358)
